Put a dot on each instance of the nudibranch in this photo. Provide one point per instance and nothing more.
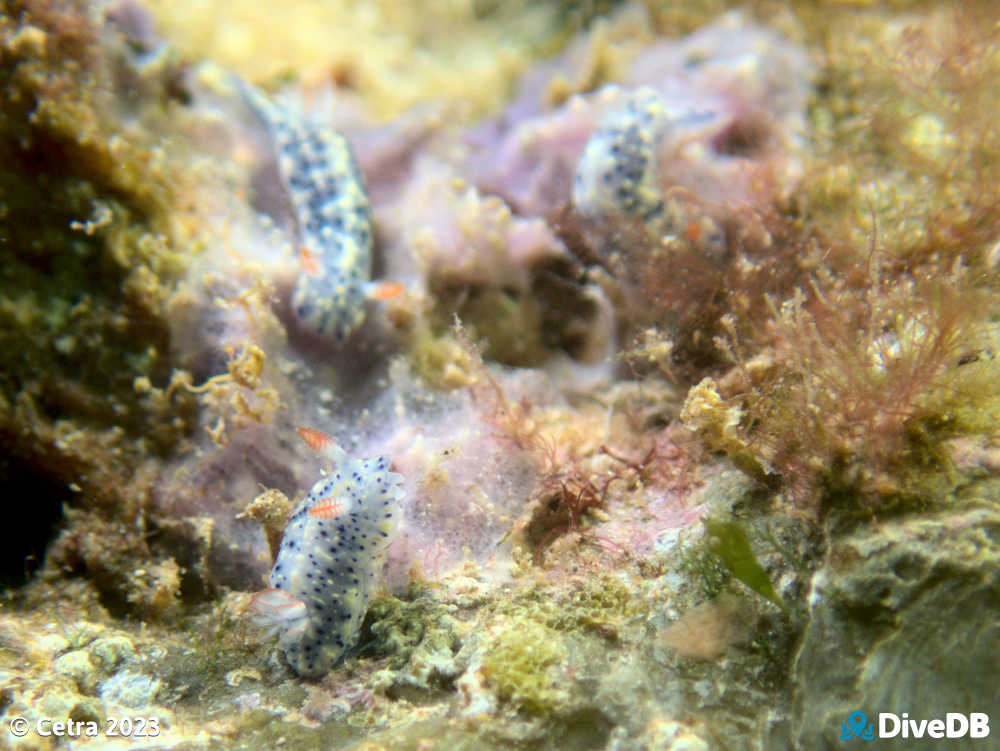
(618, 173)
(333, 224)
(330, 558)
(618, 168)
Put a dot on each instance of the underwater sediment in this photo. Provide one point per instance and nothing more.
(675, 325)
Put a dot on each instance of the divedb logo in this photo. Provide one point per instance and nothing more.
(857, 726)
(954, 725)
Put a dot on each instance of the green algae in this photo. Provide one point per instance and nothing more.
(597, 604)
(79, 342)
(728, 540)
(93, 227)
(85, 206)
(703, 567)
(533, 633)
(419, 634)
(517, 662)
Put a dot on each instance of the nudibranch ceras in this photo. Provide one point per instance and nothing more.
(617, 175)
(330, 558)
(332, 217)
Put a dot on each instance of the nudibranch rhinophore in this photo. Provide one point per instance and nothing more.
(330, 558)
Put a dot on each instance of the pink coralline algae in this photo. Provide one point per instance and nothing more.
(714, 116)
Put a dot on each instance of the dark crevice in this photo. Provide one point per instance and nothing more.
(38, 500)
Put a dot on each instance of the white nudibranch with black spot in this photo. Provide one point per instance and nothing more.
(333, 225)
(618, 168)
(330, 559)
(618, 173)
